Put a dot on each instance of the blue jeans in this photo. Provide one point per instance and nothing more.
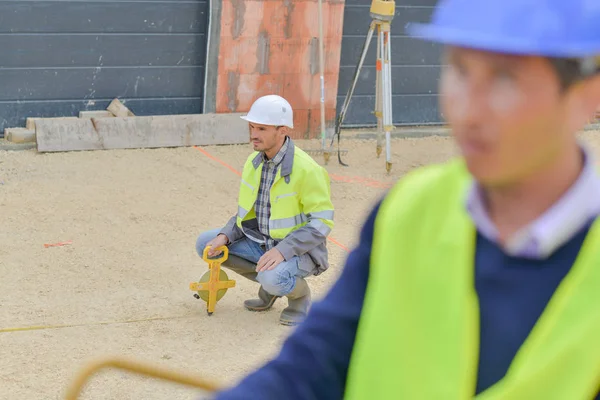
(279, 281)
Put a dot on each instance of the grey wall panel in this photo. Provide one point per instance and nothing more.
(408, 110)
(102, 16)
(415, 66)
(41, 83)
(407, 79)
(15, 113)
(405, 51)
(63, 56)
(84, 50)
(402, 17)
(399, 3)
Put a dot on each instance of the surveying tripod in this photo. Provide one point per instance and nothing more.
(382, 13)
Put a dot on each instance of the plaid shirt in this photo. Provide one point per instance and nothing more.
(262, 206)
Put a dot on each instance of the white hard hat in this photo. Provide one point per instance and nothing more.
(271, 110)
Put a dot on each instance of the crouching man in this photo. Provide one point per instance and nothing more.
(278, 236)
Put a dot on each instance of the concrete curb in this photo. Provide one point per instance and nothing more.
(365, 133)
(5, 145)
(400, 133)
(412, 132)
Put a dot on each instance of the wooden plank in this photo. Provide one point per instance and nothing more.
(19, 135)
(142, 132)
(95, 114)
(118, 109)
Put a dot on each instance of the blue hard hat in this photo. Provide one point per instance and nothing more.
(550, 28)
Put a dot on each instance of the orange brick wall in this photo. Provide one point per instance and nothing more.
(271, 47)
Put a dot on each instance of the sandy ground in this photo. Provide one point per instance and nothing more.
(133, 217)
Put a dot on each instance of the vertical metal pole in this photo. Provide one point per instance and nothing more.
(322, 76)
(378, 91)
(387, 119)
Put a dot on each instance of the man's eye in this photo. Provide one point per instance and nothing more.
(457, 68)
(505, 75)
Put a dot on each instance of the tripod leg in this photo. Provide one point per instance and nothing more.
(387, 96)
(378, 92)
(344, 109)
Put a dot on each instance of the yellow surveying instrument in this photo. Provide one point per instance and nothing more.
(214, 283)
(382, 13)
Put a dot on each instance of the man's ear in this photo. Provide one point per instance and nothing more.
(583, 100)
(591, 95)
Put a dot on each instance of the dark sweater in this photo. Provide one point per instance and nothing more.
(314, 360)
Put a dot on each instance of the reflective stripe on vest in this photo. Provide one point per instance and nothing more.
(320, 226)
(418, 335)
(287, 223)
(327, 214)
(242, 212)
(300, 219)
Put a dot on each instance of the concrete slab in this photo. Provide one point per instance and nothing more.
(77, 134)
(30, 124)
(142, 132)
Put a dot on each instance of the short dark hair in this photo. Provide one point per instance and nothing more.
(570, 70)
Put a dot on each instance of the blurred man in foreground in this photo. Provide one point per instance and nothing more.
(478, 277)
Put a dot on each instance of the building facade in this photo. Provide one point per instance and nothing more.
(185, 56)
(61, 57)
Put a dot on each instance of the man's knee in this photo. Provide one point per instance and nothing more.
(204, 238)
(276, 283)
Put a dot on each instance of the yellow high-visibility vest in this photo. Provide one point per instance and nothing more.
(304, 193)
(418, 335)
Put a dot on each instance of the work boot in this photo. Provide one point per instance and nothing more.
(298, 304)
(241, 266)
(263, 303)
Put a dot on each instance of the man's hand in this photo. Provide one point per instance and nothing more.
(220, 240)
(269, 260)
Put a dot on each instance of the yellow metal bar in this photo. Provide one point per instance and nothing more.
(181, 378)
(198, 286)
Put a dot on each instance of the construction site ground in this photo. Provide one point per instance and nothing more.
(121, 284)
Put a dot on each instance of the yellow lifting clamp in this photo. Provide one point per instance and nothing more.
(214, 283)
